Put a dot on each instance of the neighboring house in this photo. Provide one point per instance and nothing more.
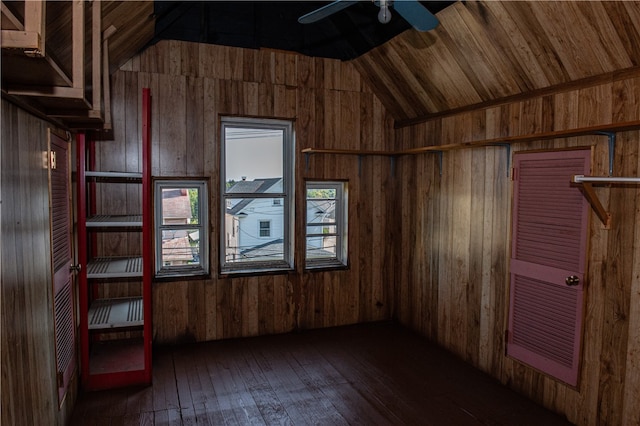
(176, 245)
(253, 223)
(320, 211)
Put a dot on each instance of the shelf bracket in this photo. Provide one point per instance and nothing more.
(439, 153)
(612, 148)
(587, 190)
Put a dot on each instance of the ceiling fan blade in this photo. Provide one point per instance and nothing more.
(325, 11)
(416, 14)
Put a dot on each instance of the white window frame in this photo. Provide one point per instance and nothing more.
(287, 196)
(341, 235)
(169, 271)
(267, 228)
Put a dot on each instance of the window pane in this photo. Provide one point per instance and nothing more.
(180, 206)
(180, 247)
(181, 217)
(254, 230)
(254, 156)
(324, 229)
(326, 224)
(321, 247)
(327, 193)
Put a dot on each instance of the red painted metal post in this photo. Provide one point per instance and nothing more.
(147, 231)
(83, 289)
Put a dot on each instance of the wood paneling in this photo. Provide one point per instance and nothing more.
(456, 239)
(491, 51)
(192, 85)
(29, 388)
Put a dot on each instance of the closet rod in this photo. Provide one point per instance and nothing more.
(604, 179)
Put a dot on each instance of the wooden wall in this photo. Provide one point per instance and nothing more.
(192, 85)
(29, 389)
(452, 279)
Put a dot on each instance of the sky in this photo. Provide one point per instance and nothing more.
(253, 153)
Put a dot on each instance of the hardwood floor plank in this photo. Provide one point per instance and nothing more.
(370, 374)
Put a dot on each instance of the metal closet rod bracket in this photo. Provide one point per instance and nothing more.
(612, 148)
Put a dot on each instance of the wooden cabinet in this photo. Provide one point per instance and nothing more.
(115, 286)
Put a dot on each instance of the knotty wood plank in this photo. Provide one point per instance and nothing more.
(631, 407)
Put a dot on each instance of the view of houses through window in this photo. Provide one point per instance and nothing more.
(326, 224)
(181, 235)
(257, 160)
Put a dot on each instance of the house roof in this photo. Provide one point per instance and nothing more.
(176, 204)
(249, 187)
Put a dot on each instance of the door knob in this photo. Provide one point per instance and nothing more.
(572, 280)
(75, 268)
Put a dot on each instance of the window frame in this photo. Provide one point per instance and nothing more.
(178, 271)
(341, 259)
(287, 195)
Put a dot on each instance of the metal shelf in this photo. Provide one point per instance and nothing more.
(114, 267)
(122, 312)
(114, 221)
(126, 177)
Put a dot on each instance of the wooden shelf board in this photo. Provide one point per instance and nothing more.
(43, 71)
(122, 312)
(114, 267)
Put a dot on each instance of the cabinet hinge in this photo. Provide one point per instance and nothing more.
(52, 160)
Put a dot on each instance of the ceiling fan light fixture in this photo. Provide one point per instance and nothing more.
(384, 15)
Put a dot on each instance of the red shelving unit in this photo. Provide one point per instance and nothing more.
(115, 332)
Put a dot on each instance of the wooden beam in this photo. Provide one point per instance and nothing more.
(557, 134)
(604, 216)
(28, 41)
(96, 56)
(77, 60)
(51, 92)
(106, 82)
(35, 22)
(9, 20)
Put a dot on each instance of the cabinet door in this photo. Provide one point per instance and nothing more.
(62, 259)
(550, 224)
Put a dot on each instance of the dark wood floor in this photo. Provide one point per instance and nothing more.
(375, 374)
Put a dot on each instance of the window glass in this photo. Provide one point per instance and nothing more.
(257, 162)
(181, 234)
(326, 224)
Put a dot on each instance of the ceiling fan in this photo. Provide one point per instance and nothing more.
(411, 10)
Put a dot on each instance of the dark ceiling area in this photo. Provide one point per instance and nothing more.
(344, 35)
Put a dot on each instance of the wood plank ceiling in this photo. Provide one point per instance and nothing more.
(488, 52)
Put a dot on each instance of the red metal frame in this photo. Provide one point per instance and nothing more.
(147, 231)
(83, 290)
(87, 205)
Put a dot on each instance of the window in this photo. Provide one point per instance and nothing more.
(181, 227)
(265, 228)
(326, 224)
(257, 191)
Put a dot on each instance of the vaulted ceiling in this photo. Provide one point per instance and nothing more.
(482, 53)
(491, 51)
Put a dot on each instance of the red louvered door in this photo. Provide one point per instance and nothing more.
(63, 309)
(550, 224)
